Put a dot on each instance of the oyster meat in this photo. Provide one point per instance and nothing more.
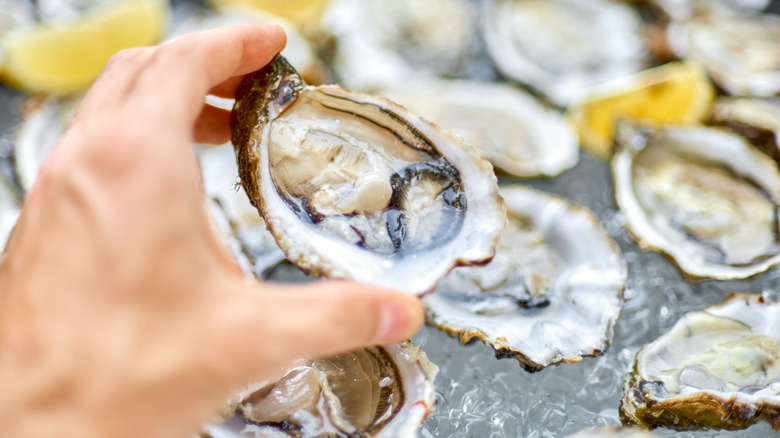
(383, 391)
(740, 53)
(506, 125)
(705, 197)
(562, 47)
(755, 118)
(355, 186)
(715, 369)
(552, 293)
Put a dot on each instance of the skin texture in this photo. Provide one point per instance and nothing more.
(121, 312)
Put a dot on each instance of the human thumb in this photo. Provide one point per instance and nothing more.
(272, 324)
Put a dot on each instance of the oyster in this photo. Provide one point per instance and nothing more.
(552, 293)
(561, 47)
(383, 41)
(740, 53)
(757, 119)
(355, 186)
(715, 369)
(384, 391)
(507, 126)
(705, 197)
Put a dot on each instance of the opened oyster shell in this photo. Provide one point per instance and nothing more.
(715, 369)
(705, 197)
(382, 391)
(552, 294)
(561, 47)
(740, 53)
(507, 126)
(755, 118)
(355, 186)
(385, 41)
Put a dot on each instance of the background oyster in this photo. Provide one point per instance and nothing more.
(383, 391)
(552, 293)
(717, 368)
(706, 198)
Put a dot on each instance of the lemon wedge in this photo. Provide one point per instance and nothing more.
(64, 57)
(677, 93)
(304, 14)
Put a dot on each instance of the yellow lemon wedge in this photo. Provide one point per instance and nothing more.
(677, 93)
(304, 14)
(65, 57)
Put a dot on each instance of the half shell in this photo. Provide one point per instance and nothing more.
(382, 391)
(715, 369)
(355, 186)
(552, 294)
(705, 197)
(561, 47)
(740, 53)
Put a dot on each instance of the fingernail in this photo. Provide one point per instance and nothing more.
(396, 320)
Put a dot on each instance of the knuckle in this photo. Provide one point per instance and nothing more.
(125, 56)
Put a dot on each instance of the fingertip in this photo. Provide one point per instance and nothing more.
(401, 316)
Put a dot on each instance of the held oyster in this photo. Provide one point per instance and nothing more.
(552, 294)
(705, 197)
(355, 186)
(506, 125)
(382, 391)
(561, 47)
(715, 369)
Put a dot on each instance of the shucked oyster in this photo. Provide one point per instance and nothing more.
(561, 47)
(705, 197)
(355, 186)
(740, 53)
(552, 293)
(507, 126)
(715, 369)
(382, 391)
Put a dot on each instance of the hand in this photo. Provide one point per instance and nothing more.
(121, 312)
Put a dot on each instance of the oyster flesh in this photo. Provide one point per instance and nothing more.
(506, 125)
(741, 53)
(562, 47)
(384, 391)
(715, 369)
(552, 293)
(705, 197)
(355, 186)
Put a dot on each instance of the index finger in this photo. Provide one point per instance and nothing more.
(182, 72)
